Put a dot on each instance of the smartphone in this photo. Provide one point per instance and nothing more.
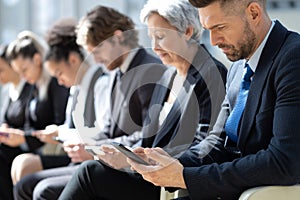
(58, 139)
(127, 152)
(4, 134)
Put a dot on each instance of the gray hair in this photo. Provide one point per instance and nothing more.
(179, 13)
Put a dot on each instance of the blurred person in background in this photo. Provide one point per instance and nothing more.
(15, 96)
(46, 105)
(66, 61)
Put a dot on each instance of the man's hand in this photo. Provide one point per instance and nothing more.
(47, 135)
(113, 157)
(167, 172)
(76, 152)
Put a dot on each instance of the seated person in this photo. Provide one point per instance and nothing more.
(15, 93)
(43, 103)
(65, 60)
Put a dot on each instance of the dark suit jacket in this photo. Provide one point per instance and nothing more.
(130, 106)
(269, 135)
(191, 114)
(13, 112)
(50, 110)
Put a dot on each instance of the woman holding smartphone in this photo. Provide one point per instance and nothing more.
(14, 97)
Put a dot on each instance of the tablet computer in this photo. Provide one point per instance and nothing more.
(127, 152)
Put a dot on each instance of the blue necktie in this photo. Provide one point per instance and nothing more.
(233, 121)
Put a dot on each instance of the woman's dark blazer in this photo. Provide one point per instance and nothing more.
(50, 110)
(196, 106)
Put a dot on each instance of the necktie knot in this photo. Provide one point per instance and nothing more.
(119, 74)
(247, 77)
(249, 73)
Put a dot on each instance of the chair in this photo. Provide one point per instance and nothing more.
(165, 195)
(53, 149)
(272, 193)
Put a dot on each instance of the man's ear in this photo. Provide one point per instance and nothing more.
(189, 32)
(118, 36)
(254, 12)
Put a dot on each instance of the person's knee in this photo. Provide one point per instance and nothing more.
(88, 166)
(95, 171)
(22, 190)
(46, 190)
(25, 164)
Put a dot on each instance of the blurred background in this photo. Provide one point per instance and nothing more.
(39, 15)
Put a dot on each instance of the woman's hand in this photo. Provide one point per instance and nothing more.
(166, 172)
(113, 157)
(76, 152)
(12, 137)
(47, 135)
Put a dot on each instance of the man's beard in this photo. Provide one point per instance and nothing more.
(245, 46)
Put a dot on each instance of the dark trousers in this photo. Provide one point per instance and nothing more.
(7, 155)
(46, 184)
(94, 180)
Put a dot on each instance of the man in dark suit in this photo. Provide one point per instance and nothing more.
(134, 71)
(267, 149)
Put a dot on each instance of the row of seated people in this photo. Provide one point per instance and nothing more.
(172, 103)
(129, 96)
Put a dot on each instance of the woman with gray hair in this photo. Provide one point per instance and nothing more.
(185, 102)
(178, 13)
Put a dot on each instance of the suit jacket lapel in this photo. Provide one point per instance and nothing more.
(272, 47)
(125, 83)
(173, 119)
(160, 93)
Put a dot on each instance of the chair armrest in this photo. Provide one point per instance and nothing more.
(272, 193)
(165, 195)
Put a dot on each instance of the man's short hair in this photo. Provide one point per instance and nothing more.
(102, 22)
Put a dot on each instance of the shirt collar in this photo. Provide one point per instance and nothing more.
(15, 92)
(125, 65)
(253, 61)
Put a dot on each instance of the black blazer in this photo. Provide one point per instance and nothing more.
(50, 110)
(130, 106)
(191, 114)
(13, 112)
(269, 135)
